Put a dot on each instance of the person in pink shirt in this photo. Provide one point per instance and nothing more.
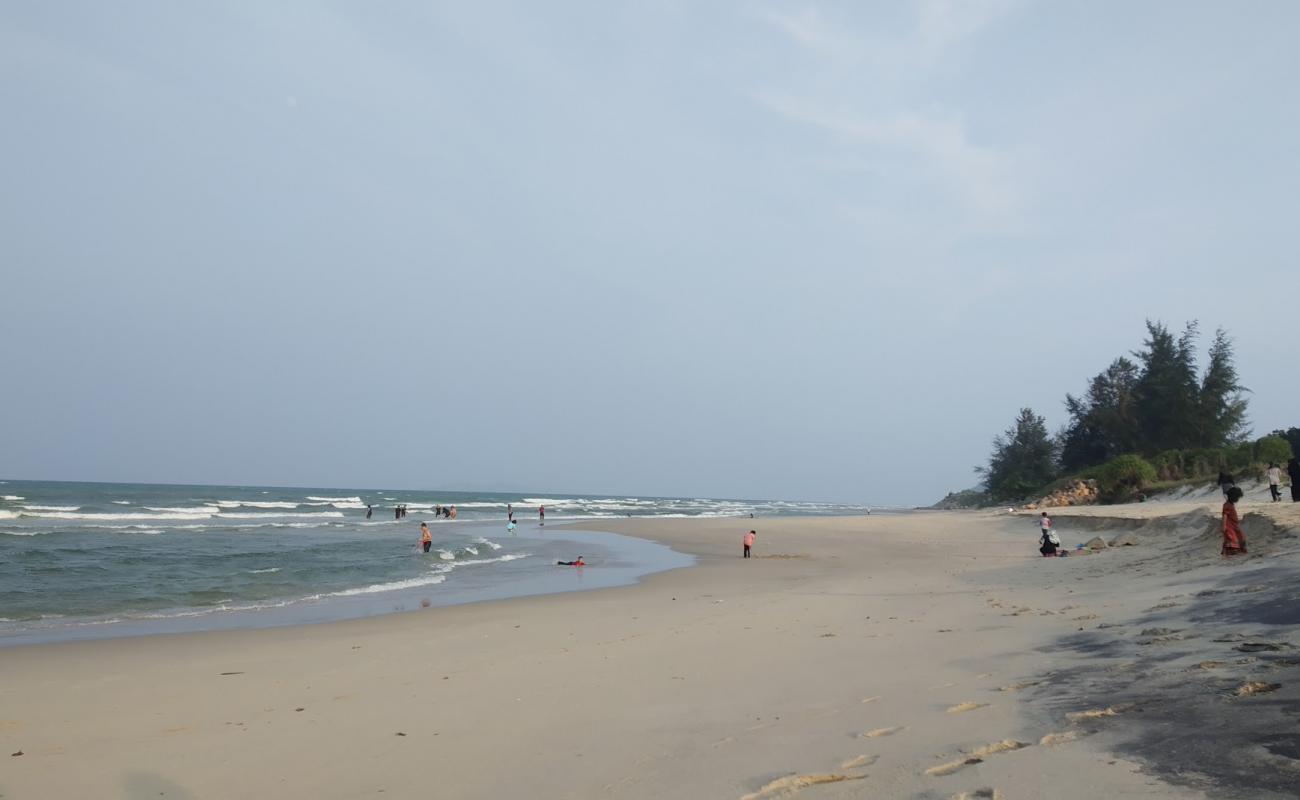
(749, 542)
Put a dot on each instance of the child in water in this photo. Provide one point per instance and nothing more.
(426, 538)
(510, 527)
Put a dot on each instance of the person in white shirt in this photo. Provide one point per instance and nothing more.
(1275, 482)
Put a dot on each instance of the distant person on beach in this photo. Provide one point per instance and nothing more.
(397, 512)
(1234, 540)
(369, 510)
(510, 512)
(1044, 522)
(578, 563)
(749, 542)
(541, 515)
(1293, 469)
(451, 513)
(1226, 482)
(1275, 482)
(426, 538)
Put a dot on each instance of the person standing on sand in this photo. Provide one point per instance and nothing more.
(426, 538)
(749, 542)
(1293, 469)
(1234, 540)
(1226, 482)
(1275, 482)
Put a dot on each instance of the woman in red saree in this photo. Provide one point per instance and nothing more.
(1234, 541)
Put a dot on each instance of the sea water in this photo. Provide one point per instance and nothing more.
(96, 559)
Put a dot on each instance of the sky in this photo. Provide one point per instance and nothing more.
(729, 249)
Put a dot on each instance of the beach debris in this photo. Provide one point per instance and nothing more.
(870, 699)
(1015, 687)
(300, 709)
(15, 755)
(232, 673)
(793, 783)
(399, 733)
(1097, 713)
(827, 636)
(1095, 543)
(878, 732)
(964, 707)
(857, 762)
(1256, 687)
(1158, 631)
(979, 794)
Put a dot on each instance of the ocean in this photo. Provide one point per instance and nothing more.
(83, 560)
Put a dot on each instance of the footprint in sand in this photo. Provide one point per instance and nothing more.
(857, 762)
(976, 756)
(793, 783)
(1097, 713)
(964, 707)
(1053, 739)
(878, 732)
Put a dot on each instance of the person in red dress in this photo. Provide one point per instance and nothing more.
(1234, 541)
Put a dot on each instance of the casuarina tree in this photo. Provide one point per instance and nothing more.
(1023, 459)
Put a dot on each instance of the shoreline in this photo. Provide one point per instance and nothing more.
(621, 560)
(904, 656)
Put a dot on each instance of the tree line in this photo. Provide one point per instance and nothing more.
(1154, 416)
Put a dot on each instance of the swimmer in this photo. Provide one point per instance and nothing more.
(578, 563)
(426, 538)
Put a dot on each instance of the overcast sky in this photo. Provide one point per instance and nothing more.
(801, 251)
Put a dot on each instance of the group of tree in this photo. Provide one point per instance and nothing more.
(1156, 403)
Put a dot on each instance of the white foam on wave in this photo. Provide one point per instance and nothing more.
(335, 499)
(256, 504)
(113, 517)
(208, 508)
(283, 514)
(51, 508)
(349, 505)
(471, 550)
(13, 497)
(484, 540)
(8, 514)
(266, 571)
(410, 583)
(446, 555)
(120, 502)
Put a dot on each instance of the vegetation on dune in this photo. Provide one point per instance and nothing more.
(1142, 421)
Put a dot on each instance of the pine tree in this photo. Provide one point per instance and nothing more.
(1023, 459)
(1104, 423)
(1222, 404)
(1167, 394)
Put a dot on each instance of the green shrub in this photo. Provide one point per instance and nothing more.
(1240, 457)
(1124, 476)
(1202, 463)
(1272, 450)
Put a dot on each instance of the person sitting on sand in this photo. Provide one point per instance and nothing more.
(426, 538)
(578, 563)
(1048, 543)
(1234, 540)
(749, 542)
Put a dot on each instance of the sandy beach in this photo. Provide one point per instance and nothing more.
(929, 655)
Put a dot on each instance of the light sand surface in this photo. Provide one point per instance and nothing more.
(931, 655)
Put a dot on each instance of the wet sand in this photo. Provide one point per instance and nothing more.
(932, 655)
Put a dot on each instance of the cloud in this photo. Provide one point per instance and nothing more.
(978, 176)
